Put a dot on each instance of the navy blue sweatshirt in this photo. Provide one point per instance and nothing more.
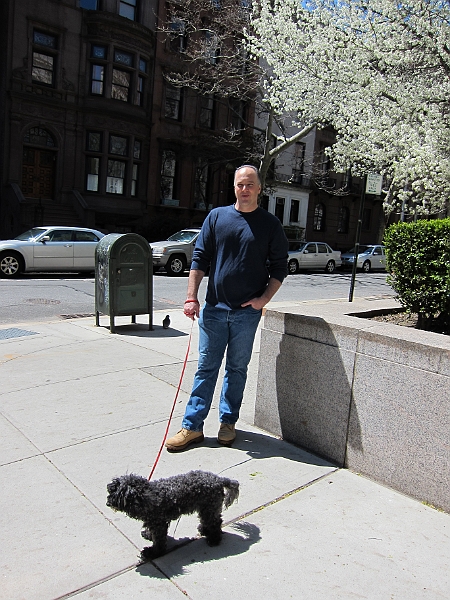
(242, 250)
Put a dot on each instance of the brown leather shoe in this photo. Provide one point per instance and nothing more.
(183, 438)
(227, 434)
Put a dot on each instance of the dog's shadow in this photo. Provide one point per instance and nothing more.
(196, 550)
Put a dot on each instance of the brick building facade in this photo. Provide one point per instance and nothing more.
(91, 132)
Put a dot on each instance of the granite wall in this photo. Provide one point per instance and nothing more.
(369, 396)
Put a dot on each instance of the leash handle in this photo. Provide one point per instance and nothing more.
(174, 403)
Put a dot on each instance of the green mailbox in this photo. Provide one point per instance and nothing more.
(123, 277)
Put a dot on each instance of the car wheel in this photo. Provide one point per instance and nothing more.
(293, 266)
(176, 265)
(331, 267)
(366, 266)
(11, 264)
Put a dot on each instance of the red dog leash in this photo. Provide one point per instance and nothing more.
(174, 403)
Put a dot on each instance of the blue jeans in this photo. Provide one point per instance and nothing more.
(219, 329)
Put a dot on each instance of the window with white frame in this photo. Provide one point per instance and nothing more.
(114, 169)
(123, 78)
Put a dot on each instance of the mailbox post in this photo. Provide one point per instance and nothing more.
(123, 278)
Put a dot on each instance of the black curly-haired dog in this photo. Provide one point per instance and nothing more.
(156, 503)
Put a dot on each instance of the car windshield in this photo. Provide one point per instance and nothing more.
(297, 246)
(183, 236)
(362, 250)
(31, 234)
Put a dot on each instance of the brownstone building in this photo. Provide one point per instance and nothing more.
(194, 166)
(91, 134)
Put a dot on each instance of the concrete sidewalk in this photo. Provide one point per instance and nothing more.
(79, 406)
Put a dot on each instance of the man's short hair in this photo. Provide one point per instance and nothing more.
(248, 167)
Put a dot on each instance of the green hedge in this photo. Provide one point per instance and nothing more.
(418, 261)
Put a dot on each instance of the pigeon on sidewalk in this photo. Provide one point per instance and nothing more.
(166, 322)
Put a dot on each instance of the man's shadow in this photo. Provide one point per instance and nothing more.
(263, 446)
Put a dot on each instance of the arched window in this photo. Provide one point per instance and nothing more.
(343, 219)
(319, 218)
(39, 137)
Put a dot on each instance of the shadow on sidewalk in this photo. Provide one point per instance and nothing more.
(233, 544)
(262, 446)
(141, 330)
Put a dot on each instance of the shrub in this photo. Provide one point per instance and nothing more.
(418, 261)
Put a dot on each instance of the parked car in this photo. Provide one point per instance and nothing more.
(370, 257)
(313, 256)
(49, 249)
(175, 253)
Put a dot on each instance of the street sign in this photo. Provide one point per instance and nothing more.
(374, 183)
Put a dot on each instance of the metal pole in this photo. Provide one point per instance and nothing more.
(358, 235)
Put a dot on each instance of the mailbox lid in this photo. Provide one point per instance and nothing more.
(130, 248)
(105, 245)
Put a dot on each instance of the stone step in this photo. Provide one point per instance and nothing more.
(56, 214)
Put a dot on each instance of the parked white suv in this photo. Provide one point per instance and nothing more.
(175, 253)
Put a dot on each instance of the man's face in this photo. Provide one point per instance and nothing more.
(246, 189)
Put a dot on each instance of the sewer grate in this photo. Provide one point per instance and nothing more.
(41, 301)
(14, 332)
(77, 316)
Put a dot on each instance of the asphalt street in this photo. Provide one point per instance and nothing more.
(48, 296)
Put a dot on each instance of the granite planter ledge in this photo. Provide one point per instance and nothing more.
(370, 396)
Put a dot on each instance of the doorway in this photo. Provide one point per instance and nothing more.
(38, 173)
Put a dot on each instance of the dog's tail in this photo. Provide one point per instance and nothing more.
(231, 491)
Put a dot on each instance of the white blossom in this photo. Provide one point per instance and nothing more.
(378, 71)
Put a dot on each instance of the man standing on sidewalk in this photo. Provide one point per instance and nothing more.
(245, 249)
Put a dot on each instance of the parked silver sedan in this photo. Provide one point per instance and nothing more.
(313, 256)
(370, 258)
(49, 249)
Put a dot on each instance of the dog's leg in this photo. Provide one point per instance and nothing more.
(157, 533)
(211, 523)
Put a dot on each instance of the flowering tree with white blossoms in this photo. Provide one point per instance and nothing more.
(378, 71)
